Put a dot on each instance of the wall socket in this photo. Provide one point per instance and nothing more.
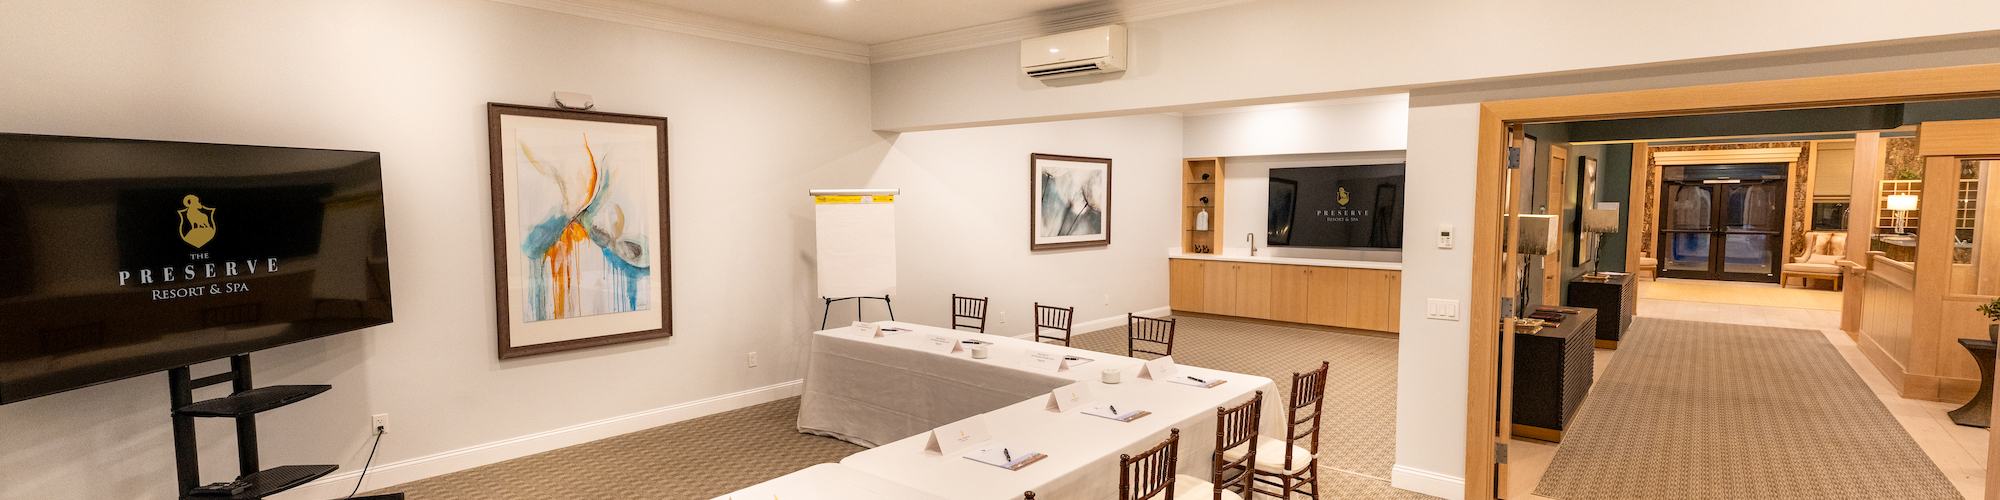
(1002, 316)
(753, 359)
(379, 421)
(1107, 300)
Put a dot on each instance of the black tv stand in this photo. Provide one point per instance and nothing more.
(243, 404)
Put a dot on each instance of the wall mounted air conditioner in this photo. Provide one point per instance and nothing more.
(1076, 53)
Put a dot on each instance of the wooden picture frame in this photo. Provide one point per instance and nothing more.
(590, 190)
(1069, 201)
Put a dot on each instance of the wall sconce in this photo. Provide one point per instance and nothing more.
(1902, 204)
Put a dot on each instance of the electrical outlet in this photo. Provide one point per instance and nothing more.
(1107, 300)
(1003, 317)
(753, 359)
(379, 421)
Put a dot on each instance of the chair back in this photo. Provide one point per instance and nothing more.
(1302, 422)
(1148, 335)
(1028, 496)
(1145, 476)
(1051, 319)
(968, 312)
(1237, 427)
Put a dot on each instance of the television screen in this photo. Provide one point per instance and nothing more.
(129, 257)
(1358, 206)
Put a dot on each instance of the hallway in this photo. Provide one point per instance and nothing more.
(1959, 452)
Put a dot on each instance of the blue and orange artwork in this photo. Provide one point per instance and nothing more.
(584, 232)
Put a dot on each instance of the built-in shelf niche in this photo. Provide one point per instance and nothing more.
(1201, 182)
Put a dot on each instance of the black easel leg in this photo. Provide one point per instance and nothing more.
(186, 463)
(892, 308)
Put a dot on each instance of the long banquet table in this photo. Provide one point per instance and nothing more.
(1082, 450)
(874, 391)
(829, 482)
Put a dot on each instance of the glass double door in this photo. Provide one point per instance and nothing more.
(1722, 230)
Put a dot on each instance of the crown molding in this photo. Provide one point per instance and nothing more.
(1396, 97)
(702, 25)
(1015, 30)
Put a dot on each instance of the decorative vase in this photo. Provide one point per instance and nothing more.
(1204, 177)
(1201, 224)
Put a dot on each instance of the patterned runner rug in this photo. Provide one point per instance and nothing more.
(1691, 410)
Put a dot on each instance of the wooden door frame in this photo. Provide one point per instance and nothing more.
(1959, 82)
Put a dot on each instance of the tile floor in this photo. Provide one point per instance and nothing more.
(1958, 450)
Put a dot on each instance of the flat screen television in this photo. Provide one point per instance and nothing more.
(1358, 206)
(126, 257)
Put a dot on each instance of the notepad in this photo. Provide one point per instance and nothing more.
(999, 455)
(1111, 411)
(1202, 382)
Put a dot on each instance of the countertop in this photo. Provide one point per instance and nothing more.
(1356, 264)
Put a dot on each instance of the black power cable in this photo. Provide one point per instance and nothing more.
(371, 461)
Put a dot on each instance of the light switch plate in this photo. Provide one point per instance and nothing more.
(1441, 309)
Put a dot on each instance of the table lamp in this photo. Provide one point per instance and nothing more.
(1902, 204)
(1599, 221)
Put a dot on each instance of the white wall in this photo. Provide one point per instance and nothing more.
(962, 221)
(1291, 50)
(1377, 123)
(752, 129)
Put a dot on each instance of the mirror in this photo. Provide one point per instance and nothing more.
(1975, 259)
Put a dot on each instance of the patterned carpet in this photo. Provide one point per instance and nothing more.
(1693, 410)
(1357, 435)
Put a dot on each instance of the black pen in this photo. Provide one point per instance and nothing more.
(1191, 377)
(1114, 409)
(1004, 453)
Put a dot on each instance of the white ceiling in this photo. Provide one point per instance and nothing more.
(870, 22)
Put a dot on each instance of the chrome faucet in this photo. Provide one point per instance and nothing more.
(1252, 238)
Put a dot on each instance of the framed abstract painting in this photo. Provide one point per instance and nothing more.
(1069, 202)
(579, 228)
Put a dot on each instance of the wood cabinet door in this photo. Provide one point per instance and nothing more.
(1184, 283)
(1368, 307)
(1253, 290)
(1327, 289)
(1288, 292)
(1395, 294)
(1219, 288)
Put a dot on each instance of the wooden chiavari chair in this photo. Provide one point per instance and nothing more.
(1292, 465)
(1028, 496)
(1151, 331)
(1151, 472)
(1051, 319)
(1236, 428)
(968, 308)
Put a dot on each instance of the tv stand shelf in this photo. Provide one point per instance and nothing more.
(269, 482)
(252, 401)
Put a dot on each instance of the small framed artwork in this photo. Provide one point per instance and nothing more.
(579, 228)
(1069, 202)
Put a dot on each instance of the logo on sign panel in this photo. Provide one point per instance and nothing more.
(1343, 197)
(197, 222)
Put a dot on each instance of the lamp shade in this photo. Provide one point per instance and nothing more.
(1902, 202)
(1600, 221)
(1538, 234)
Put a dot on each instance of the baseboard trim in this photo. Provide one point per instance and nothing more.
(1103, 323)
(1444, 486)
(392, 474)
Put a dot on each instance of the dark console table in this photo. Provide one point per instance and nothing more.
(1979, 411)
(1616, 297)
(1552, 373)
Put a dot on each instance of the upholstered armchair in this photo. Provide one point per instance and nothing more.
(1823, 250)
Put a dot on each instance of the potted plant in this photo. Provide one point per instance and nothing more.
(1992, 312)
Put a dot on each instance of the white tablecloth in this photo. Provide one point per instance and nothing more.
(874, 391)
(1082, 449)
(829, 482)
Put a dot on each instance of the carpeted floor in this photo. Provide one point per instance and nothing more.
(1692, 410)
(663, 463)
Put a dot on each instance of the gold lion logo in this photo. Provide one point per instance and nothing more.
(197, 224)
(1343, 197)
